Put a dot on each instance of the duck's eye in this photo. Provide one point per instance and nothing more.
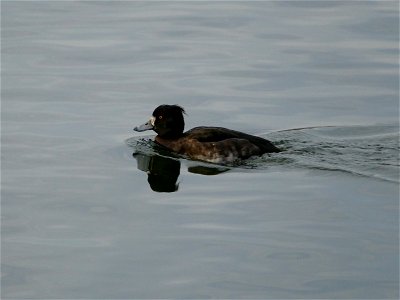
(160, 117)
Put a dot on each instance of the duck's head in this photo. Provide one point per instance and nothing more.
(167, 121)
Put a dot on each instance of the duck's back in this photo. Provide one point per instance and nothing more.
(221, 144)
(220, 134)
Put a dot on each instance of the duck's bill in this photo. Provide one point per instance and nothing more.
(146, 126)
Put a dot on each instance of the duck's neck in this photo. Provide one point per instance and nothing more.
(170, 143)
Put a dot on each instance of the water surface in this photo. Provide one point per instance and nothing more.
(92, 210)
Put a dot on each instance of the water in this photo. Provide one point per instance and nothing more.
(91, 209)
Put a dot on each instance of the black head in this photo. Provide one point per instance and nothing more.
(169, 121)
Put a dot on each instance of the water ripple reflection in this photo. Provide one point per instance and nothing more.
(370, 151)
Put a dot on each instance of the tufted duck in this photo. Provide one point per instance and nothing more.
(212, 144)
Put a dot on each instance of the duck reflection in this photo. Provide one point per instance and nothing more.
(163, 172)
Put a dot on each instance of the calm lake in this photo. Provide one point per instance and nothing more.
(91, 209)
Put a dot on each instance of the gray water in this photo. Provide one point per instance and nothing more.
(91, 209)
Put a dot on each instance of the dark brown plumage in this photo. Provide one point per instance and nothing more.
(212, 144)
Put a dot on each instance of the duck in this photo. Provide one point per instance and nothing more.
(210, 144)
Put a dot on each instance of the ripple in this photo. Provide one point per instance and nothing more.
(370, 151)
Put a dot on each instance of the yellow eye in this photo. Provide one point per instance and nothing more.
(160, 117)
